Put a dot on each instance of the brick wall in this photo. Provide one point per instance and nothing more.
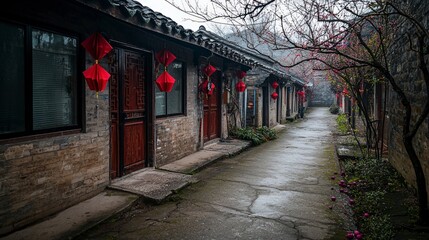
(321, 94)
(40, 177)
(178, 136)
(405, 69)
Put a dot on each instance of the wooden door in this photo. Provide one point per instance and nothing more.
(127, 111)
(288, 100)
(212, 107)
(265, 106)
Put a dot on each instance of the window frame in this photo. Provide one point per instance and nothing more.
(184, 94)
(29, 133)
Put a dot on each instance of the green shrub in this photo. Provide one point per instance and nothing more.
(255, 135)
(375, 181)
(268, 133)
(334, 109)
(375, 174)
(378, 227)
(343, 123)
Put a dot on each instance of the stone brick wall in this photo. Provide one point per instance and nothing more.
(321, 94)
(406, 70)
(42, 176)
(178, 136)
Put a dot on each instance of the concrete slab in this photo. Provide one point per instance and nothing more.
(279, 127)
(211, 153)
(345, 151)
(229, 147)
(77, 218)
(152, 184)
(193, 162)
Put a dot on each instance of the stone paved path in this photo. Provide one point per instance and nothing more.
(278, 190)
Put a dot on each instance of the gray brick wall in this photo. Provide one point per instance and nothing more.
(39, 177)
(178, 136)
(405, 68)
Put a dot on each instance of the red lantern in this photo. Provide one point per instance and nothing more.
(274, 95)
(241, 74)
(209, 70)
(96, 76)
(301, 95)
(165, 57)
(97, 46)
(240, 86)
(207, 87)
(345, 91)
(165, 81)
(274, 84)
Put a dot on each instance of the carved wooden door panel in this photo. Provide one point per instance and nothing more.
(212, 107)
(114, 114)
(128, 116)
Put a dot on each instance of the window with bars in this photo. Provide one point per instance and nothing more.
(38, 81)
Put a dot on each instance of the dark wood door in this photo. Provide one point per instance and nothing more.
(212, 107)
(265, 106)
(127, 110)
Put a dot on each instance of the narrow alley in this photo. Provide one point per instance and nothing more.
(279, 190)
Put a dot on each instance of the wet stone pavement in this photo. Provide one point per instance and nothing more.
(278, 190)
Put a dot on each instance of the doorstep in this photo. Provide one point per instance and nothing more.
(152, 184)
(210, 153)
(78, 218)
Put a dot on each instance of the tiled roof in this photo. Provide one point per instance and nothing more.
(141, 16)
(135, 13)
(261, 61)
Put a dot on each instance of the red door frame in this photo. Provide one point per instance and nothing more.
(130, 126)
(212, 106)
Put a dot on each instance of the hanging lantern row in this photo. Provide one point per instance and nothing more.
(207, 86)
(240, 86)
(275, 84)
(274, 95)
(96, 76)
(165, 81)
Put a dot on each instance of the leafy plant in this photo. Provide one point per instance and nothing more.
(255, 135)
(268, 133)
(375, 174)
(334, 109)
(372, 184)
(342, 123)
(378, 227)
